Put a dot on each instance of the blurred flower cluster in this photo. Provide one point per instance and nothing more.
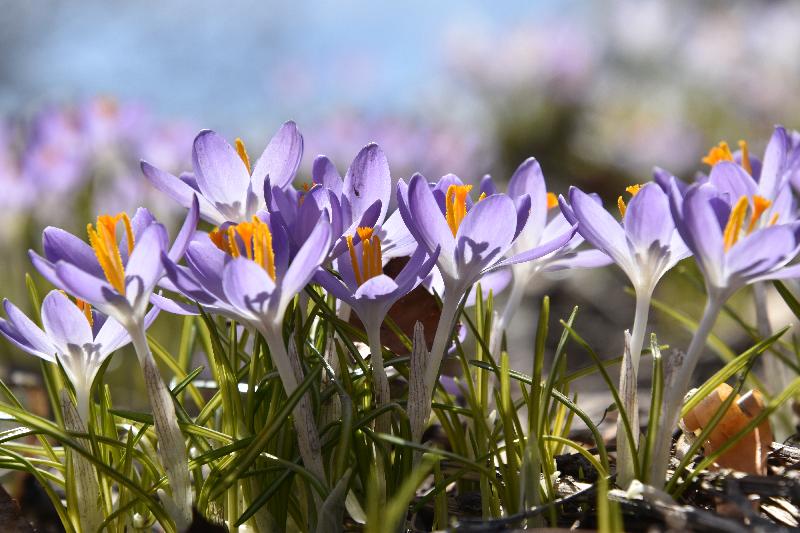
(84, 156)
(623, 85)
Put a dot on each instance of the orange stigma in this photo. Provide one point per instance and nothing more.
(735, 225)
(552, 201)
(720, 152)
(252, 240)
(456, 205)
(371, 258)
(103, 240)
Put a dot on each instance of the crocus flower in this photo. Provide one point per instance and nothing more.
(245, 271)
(733, 247)
(117, 276)
(470, 239)
(79, 338)
(645, 245)
(371, 293)
(544, 224)
(228, 189)
(361, 199)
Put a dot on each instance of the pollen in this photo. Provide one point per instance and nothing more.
(733, 229)
(720, 152)
(371, 258)
(456, 205)
(252, 240)
(103, 240)
(552, 200)
(242, 151)
(87, 310)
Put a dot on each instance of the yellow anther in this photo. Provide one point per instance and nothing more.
(720, 152)
(482, 196)
(371, 257)
(633, 190)
(255, 237)
(219, 238)
(552, 200)
(734, 226)
(242, 151)
(87, 310)
(774, 219)
(760, 205)
(103, 240)
(745, 157)
(456, 205)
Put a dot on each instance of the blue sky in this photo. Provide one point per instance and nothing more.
(234, 64)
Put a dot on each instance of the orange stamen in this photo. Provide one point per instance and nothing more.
(745, 157)
(371, 256)
(255, 237)
(552, 200)
(103, 240)
(456, 205)
(633, 190)
(734, 226)
(242, 151)
(760, 205)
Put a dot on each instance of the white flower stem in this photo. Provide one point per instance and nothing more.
(171, 444)
(305, 426)
(519, 282)
(628, 384)
(677, 388)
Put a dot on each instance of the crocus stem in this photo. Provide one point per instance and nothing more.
(677, 387)
(519, 282)
(775, 371)
(305, 426)
(628, 382)
(380, 381)
(171, 445)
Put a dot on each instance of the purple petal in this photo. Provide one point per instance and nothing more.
(280, 159)
(174, 307)
(60, 245)
(487, 186)
(528, 179)
(23, 333)
(206, 262)
(334, 286)
(581, 259)
(760, 251)
(220, 172)
(181, 192)
(248, 287)
(431, 227)
(308, 259)
(524, 212)
(774, 161)
(540, 251)
(186, 232)
(732, 180)
(324, 172)
(145, 262)
(598, 227)
(368, 179)
(484, 235)
(647, 219)
(64, 323)
(701, 231)
(378, 287)
(396, 239)
(495, 282)
(94, 290)
(46, 268)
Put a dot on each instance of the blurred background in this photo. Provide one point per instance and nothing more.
(598, 91)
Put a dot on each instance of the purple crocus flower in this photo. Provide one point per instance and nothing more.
(361, 199)
(645, 245)
(733, 247)
(544, 224)
(470, 240)
(79, 338)
(117, 276)
(245, 271)
(227, 187)
(371, 293)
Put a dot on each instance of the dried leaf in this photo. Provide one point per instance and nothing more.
(750, 453)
